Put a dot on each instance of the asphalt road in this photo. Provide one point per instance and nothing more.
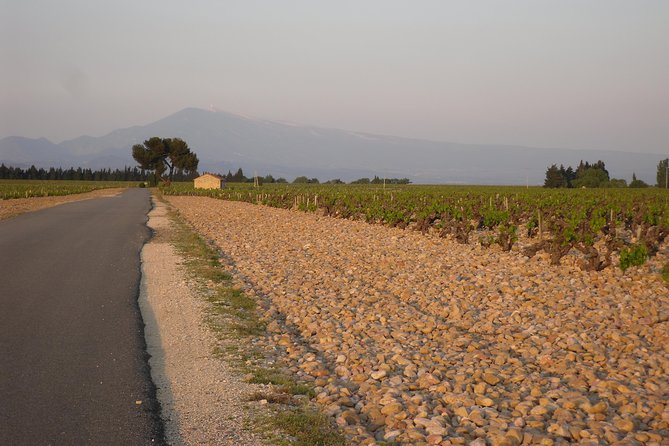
(73, 365)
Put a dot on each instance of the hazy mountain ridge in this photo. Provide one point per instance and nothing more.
(19, 150)
(226, 141)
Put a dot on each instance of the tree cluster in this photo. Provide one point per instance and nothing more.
(162, 155)
(377, 180)
(72, 174)
(585, 175)
(239, 177)
(305, 180)
(637, 184)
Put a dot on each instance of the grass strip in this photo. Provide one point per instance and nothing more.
(232, 316)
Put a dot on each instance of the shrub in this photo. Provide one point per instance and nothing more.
(507, 235)
(635, 255)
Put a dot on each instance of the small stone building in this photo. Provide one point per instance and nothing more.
(209, 181)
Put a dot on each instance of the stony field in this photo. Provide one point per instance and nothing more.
(412, 339)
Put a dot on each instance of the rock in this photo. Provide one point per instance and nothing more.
(461, 411)
(485, 402)
(379, 374)
(427, 380)
(539, 411)
(599, 407)
(479, 388)
(476, 416)
(359, 378)
(375, 418)
(515, 434)
(413, 435)
(434, 427)
(391, 409)
(434, 439)
(624, 424)
(491, 378)
(392, 435)
(559, 430)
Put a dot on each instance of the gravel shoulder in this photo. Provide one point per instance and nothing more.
(13, 207)
(203, 401)
(419, 340)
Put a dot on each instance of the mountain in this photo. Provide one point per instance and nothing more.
(225, 141)
(23, 152)
(19, 151)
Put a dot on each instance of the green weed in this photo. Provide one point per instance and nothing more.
(635, 255)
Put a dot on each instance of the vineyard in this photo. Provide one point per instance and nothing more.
(598, 225)
(10, 189)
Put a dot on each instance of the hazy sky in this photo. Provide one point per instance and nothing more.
(582, 74)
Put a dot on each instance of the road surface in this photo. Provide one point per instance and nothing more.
(73, 366)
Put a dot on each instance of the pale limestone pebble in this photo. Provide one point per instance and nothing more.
(457, 326)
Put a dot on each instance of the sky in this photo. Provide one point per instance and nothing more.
(581, 74)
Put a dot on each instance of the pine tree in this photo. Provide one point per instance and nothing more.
(662, 173)
(554, 177)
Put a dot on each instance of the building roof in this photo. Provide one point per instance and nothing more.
(207, 174)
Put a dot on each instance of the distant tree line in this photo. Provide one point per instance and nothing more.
(377, 180)
(72, 174)
(239, 177)
(138, 174)
(587, 175)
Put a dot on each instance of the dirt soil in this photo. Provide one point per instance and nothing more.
(413, 339)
